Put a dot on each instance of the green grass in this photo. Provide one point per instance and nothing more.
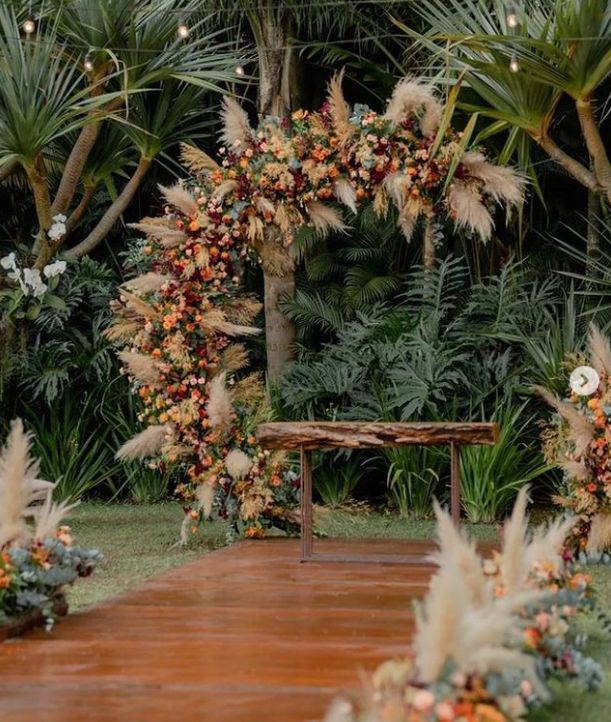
(136, 541)
(140, 541)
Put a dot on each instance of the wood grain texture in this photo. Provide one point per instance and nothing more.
(365, 434)
(243, 634)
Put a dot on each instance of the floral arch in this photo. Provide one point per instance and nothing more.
(180, 321)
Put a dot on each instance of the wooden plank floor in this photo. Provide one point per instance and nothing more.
(245, 634)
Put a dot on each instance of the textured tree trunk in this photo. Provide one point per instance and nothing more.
(429, 253)
(279, 330)
(272, 31)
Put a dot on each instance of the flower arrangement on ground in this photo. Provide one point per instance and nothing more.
(180, 320)
(37, 555)
(579, 441)
(489, 633)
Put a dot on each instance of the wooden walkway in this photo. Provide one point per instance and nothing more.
(245, 634)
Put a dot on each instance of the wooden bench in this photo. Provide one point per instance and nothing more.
(307, 436)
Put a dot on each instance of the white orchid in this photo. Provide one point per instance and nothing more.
(33, 279)
(54, 269)
(9, 262)
(58, 229)
(584, 381)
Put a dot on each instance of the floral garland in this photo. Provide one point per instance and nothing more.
(179, 320)
(466, 665)
(579, 441)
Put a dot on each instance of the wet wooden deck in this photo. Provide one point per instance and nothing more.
(245, 634)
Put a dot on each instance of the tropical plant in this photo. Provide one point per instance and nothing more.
(523, 62)
(491, 476)
(413, 478)
(337, 476)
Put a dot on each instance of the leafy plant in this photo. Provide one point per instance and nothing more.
(336, 478)
(413, 478)
(491, 476)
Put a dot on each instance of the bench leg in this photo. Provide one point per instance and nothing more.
(307, 543)
(455, 482)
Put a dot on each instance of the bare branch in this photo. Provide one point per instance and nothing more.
(113, 214)
(594, 143)
(78, 213)
(573, 167)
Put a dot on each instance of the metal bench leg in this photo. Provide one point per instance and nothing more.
(455, 482)
(307, 542)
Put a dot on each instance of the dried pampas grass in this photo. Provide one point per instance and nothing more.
(122, 330)
(138, 306)
(599, 538)
(547, 543)
(511, 560)
(237, 464)
(141, 367)
(196, 161)
(222, 190)
(180, 198)
(468, 210)
(205, 497)
(219, 407)
(501, 182)
(50, 515)
(161, 232)
(600, 351)
(345, 193)
(146, 443)
(339, 110)
(234, 358)
(236, 127)
(324, 219)
(147, 283)
(412, 96)
(20, 486)
(454, 545)
(581, 432)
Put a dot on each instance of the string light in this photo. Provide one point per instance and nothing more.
(514, 66)
(29, 26)
(88, 63)
(239, 69)
(182, 31)
(512, 18)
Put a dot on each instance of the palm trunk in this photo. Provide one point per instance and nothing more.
(279, 330)
(272, 32)
(429, 254)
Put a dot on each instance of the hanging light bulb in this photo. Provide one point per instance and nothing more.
(88, 63)
(514, 66)
(239, 69)
(182, 31)
(512, 17)
(29, 26)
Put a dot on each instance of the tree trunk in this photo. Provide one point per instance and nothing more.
(429, 254)
(279, 330)
(272, 31)
(593, 235)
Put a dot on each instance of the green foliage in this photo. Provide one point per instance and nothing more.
(72, 446)
(448, 351)
(491, 476)
(337, 476)
(413, 478)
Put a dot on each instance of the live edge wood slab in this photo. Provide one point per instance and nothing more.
(307, 436)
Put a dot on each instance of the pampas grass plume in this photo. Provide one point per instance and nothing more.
(146, 443)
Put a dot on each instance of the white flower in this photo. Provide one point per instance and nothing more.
(58, 229)
(8, 262)
(32, 278)
(54, 269)
(584, 380)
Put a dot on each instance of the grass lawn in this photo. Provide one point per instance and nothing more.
(140, 541)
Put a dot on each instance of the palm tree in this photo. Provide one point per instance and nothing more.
(521, 60)
(94, 96)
